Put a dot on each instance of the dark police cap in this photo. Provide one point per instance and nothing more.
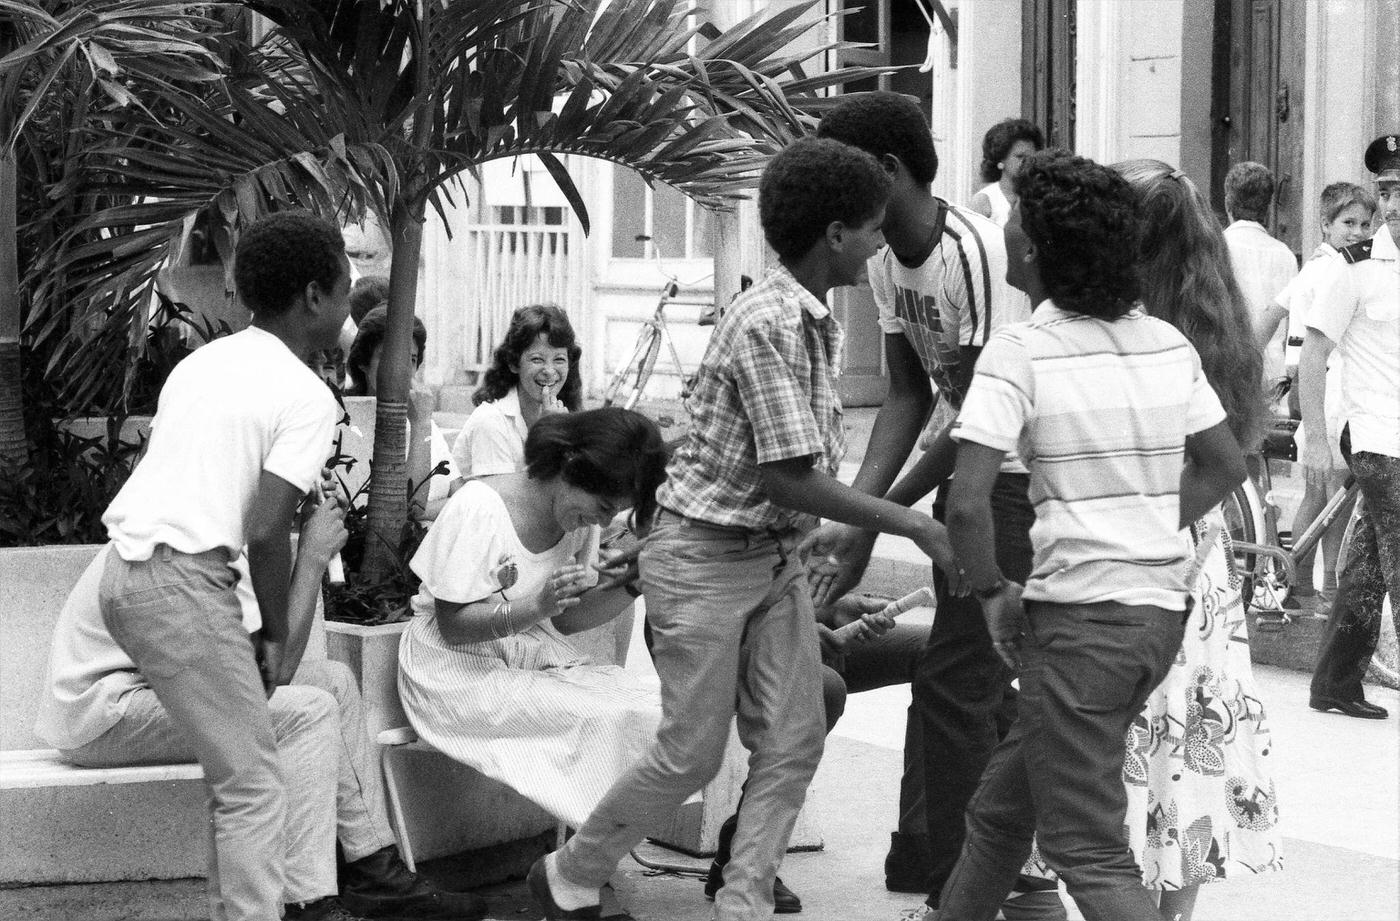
(1383, 158)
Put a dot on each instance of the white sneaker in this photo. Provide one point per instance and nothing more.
(924, 912)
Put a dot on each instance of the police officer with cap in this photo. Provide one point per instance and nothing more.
(1358, 311)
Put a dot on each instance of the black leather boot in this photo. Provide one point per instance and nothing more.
(380, 886)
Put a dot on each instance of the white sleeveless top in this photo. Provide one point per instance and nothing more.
(1001, 206)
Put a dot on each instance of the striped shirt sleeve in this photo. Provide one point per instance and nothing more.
(968, 281)
(1002, 396)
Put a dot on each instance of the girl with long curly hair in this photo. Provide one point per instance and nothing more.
(1201, 798)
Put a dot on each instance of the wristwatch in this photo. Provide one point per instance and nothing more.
(982, 594)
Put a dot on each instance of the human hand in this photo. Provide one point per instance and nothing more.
(833, 646)
(848, 609)
(269, 656)
(562, 589)
(549, 398)
(836, 556)
(932, 539)
(619, 567)
(1317, 461)
(1006, 619)
(420, 405)
(323, 532)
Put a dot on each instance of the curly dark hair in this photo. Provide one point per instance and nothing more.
(526, 325)
(1000, 138)
(811, 183)
(369, 337)
(367, 293)
(608, 452)
(1188, 280)
(282, 253)
(1249, 189)
(1081, 217)
(884, 123)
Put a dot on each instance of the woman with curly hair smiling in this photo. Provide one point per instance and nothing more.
(534, 372)
(1201, 798)
(1126, 444)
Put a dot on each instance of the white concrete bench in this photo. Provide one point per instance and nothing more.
(44, 767)
(68, 824)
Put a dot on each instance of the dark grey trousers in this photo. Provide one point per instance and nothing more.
(1058, 774)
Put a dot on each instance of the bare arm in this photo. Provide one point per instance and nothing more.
(900, 419)
(970, 526)
(1214, 466)
(973, 532)
(322, 535)
(270, 569)
(981, 203)
(1268, 325)
(1312, 384)
(566, 597)
(796, 484)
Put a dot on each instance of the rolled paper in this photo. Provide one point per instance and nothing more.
(335, 571)
(919, 598)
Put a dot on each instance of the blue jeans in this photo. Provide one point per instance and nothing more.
(178, 619)
(1058, 775)
(733, 634)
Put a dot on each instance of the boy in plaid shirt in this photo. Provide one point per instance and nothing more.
(727, 599)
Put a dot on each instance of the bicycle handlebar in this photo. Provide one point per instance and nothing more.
(661, 267)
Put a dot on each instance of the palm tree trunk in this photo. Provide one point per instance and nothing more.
(14, 450)
(388, 493)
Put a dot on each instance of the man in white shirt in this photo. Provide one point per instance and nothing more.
(1359, 313)
(1263, 265)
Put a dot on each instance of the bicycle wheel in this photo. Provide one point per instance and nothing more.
(1239, 510)
(631, 377)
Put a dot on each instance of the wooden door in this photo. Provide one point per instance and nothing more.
(1048, 29)
(1259, 84)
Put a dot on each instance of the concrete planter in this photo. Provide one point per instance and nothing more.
(450, 807)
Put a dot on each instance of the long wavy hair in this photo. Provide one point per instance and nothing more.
(1187, 280)
(526, 325)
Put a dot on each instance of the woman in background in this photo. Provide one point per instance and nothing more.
(1004, 146)
(533, 372)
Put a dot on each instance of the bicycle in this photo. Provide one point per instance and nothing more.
(631, 378)
(629, 381)
(1267, 558)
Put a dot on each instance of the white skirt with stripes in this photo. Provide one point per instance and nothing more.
(529, 711)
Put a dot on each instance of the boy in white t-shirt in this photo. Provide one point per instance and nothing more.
(240, 435)
(1104, 403)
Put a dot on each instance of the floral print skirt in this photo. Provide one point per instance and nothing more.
(1202, 804)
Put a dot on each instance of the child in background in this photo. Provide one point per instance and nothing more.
(1345, 212)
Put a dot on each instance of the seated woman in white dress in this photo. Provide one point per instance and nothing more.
(533, 372)
(486, 671)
